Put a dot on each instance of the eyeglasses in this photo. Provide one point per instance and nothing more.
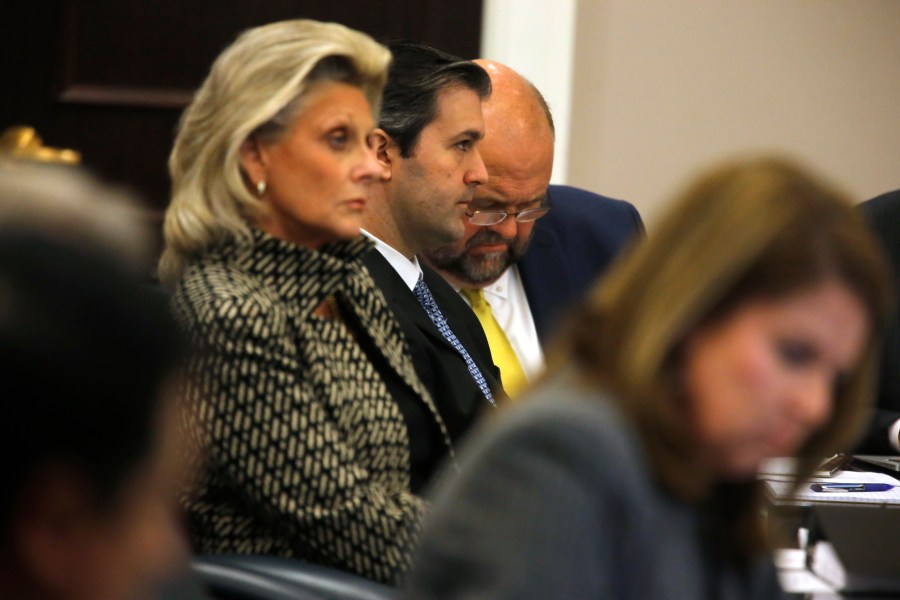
(486, 218)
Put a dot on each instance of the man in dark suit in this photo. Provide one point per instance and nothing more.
(529, 250)
(883, 435)
(427, 143)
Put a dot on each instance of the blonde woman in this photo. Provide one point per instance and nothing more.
(307, 454)
(746, 327)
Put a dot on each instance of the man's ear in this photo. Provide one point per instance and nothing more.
(386, 151)
(253, 160)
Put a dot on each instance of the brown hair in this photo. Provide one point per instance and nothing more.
(761, 228)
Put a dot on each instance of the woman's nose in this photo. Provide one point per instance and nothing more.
(813, 400)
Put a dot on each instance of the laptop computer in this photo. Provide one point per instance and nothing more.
(891, 463)
(866, 541)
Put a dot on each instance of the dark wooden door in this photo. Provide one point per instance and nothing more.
(109, 78)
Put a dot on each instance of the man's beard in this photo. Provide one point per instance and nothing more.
(480, 269)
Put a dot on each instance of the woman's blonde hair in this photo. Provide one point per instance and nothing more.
(256, 87)
(754, 229)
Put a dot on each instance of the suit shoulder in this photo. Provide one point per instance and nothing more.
(575, 206)
(577, 200)
(883, 215)
(886, 202)
(885, 207)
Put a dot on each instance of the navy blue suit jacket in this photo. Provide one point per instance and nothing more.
(571, 247)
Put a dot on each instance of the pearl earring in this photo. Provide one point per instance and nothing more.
(261, 188)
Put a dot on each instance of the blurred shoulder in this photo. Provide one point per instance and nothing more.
(567, 422)
(218, 292)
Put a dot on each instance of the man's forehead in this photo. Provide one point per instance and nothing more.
(521, 164)
(457, 102)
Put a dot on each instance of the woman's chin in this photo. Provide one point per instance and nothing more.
(346, 232)
(743, 466)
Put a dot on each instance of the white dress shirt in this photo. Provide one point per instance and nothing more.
(512, 312)
(409, 270)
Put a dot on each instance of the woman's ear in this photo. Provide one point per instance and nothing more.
(253, 161)
(386, 151)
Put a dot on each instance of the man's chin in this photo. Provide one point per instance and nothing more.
(484, 269)
(472, 268)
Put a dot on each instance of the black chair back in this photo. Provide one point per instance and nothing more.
(227, 582)
(315, 581)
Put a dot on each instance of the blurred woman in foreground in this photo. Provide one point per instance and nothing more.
(746, 327)
(307, 452)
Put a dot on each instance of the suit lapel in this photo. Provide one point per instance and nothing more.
(397, 354)
(545, 262)
(400, 296)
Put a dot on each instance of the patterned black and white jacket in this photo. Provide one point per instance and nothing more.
(306, 454)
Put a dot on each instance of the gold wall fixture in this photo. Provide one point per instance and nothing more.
(21, 141)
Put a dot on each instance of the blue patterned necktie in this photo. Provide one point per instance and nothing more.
(434, 313)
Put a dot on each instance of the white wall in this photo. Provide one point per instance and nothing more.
(536, 38)
(662, 88)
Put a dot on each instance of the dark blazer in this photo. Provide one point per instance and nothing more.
(883, 213)
(456, 395)
(571, 247)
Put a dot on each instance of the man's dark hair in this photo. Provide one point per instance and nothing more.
(418, 73)
(85, 348)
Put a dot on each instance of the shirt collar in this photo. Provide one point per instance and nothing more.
(500, 288)
(409, 270)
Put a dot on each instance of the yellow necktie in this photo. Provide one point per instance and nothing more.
(504, 356)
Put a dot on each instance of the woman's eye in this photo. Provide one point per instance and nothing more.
(796, 353)
(464, 145)
(337, 139)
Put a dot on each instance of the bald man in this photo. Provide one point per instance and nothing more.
(530, 248)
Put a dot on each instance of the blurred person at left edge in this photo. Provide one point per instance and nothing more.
(88, 355)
